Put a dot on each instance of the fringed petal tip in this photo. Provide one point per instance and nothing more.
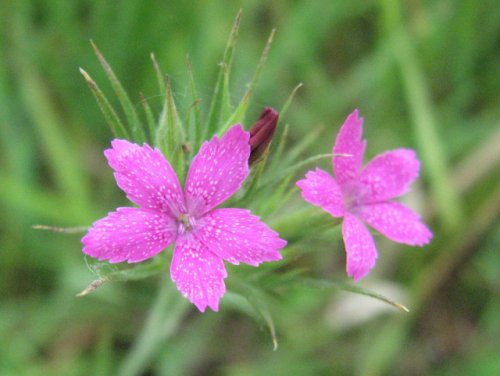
(349, 142)
(198, 273)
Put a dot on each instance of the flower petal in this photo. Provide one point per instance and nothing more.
(397, 222)
(388, 175)
(146, 177)
(359, 246)
(238, 236)
(320, 189)
(349, 142)
(129, 234)
(218, 170)
(198, 273)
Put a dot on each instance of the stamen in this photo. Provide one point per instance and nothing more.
(185, 223)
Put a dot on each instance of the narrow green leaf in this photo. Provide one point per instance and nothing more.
(254, 179)
(170, 135)
(226, 107)
(326, 284)
(160, 78)
(195, 126)
(150, 120)
(127, 106)
(289, 101)
(263, 309)
(294, 168)
(279, 197)
(281, 145)
(303, 145)
(282, 134)
(62, 230)
(114, 122)
(238, 116)
(214, 115)
(259, 305)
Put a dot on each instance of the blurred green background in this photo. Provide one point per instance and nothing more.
(425, 74)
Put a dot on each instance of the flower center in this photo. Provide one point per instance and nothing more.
(185, 223)
(352, 196)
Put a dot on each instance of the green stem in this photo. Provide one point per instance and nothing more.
(162, 322)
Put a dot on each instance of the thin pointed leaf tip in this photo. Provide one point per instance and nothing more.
(204, 235)
(262, 132)
(364, 195)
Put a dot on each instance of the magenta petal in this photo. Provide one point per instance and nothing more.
(129, 234)
(218, 170)
(388, 175)
(320, 189)
(238, 236)
(146, 177)
(397, 222)
(349, 142)
(198, 273)
(359, 246)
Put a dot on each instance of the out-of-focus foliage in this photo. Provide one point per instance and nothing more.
(423, 74)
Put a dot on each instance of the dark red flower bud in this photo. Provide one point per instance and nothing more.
(262, 133)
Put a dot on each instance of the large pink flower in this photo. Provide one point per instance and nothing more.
(203, 236)
(364, 194)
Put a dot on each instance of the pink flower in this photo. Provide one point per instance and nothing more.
(364, 195)
(203, 236)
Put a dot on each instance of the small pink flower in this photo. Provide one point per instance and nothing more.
(203, 236)
(364, 194)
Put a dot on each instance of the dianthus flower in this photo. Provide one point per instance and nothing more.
(204, 236)
(364, 195)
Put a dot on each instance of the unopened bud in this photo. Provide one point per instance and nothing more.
(262, 133)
